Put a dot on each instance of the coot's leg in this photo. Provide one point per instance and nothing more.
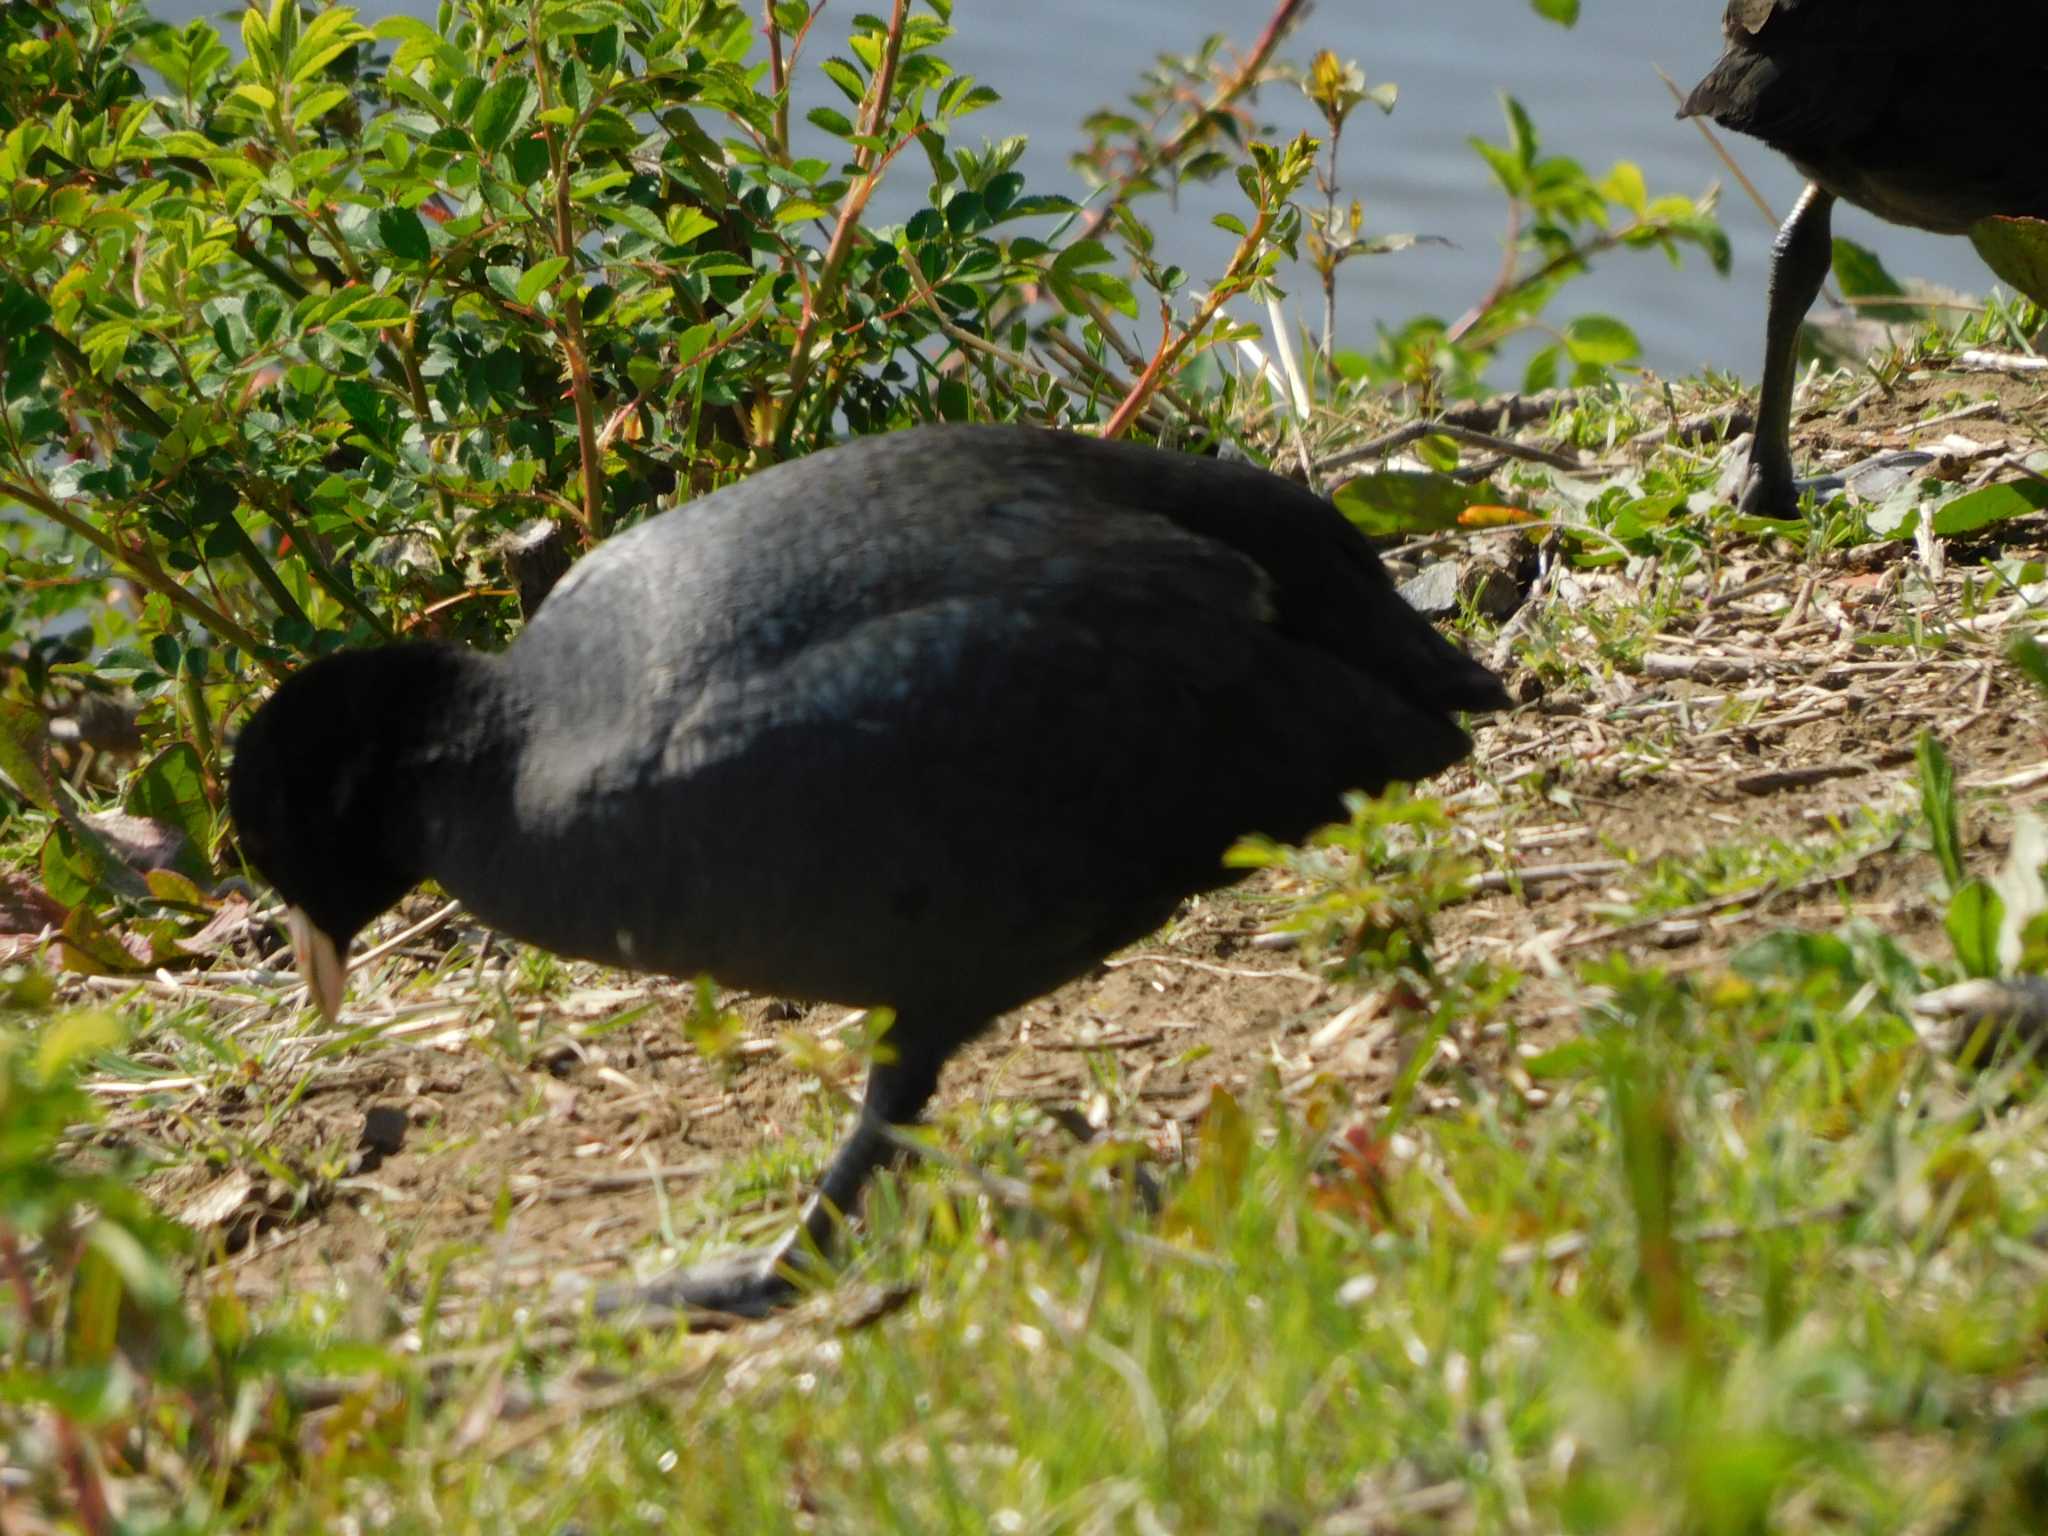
(1800, 260)
(755, 1284)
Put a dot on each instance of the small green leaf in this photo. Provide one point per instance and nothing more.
(639, 221)
(845, 76)
(1600, 341)
(2017, 250)
(1401, 501)
(499, 110)
(1993, 504)
(538, 278)
(2027, 654)
(1863, 277)
(317, 103)
(1975, 916)
(404, 234)
(20, 311)
(171, 788)
(686, 224)
(21, 755)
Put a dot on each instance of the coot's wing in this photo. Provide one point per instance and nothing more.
(1326, 588)
(957, 802)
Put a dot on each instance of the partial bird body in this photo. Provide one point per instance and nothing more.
(1924, 117)
(934, 720)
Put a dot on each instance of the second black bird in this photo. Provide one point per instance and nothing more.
(1924, 115)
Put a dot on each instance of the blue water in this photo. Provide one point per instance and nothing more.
(1593, 91)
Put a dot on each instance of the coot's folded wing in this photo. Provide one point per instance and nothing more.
(1007, 781)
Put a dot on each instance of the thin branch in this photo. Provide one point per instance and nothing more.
(1173, 345)
(571, 330)
(873, 111)
(1507, 287)
(1201, 123)
(778, 80)
(144, 571)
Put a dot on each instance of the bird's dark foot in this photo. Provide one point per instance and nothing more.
(1779, 495)
(1769, 493)
(752, 1284)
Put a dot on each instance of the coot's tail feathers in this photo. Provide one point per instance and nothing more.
(1410, 744)
(1328, 587)
(1321, 728)
(1424, 668)
(1796, 81)
(1747, 92)
(1720, 93)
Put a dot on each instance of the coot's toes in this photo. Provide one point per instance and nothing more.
(1779, 496)
(751, 1284)
(1769, 491)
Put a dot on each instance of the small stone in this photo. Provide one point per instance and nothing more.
(1433, 591)
(384, 1127)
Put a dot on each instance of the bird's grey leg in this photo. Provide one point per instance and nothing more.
(1800, 260)
(755, 1284)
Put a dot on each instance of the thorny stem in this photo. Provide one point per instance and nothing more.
(1132, 357)
(778, 79)
(1332, 258)
(571, 330)
(1170, 346)
(261, 568)
(201, 725)
(337, 587)
(1173, 345)
(422, 409)
(1503, 284)
(870, 164)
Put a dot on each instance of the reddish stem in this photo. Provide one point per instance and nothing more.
(94, 1513)
(1284, 16)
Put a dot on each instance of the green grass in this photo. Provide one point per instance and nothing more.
(1737, 1256)
(1756, 1264)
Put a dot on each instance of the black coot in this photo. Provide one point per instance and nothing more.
(936, 720)
(1923, 115)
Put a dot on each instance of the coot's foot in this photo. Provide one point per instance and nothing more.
(752, 1284)
(1768, 490)
(1778, 495)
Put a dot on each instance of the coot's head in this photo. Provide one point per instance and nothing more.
(325, 792)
